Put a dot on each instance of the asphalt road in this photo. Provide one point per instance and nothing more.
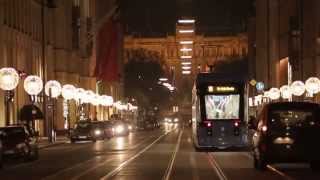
(162, 154)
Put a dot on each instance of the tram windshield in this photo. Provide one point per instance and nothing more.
(222, 107)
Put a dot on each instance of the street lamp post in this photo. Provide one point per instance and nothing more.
(86, 99)
(9, 79)
(33, 85)
(79, 97)
(68, 93)
(95, 101)
(52, 90)
(106, 101)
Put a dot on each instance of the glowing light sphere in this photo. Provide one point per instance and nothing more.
(312, 85)
(286, 92)
(274, 93)
(53, 88)
(33, 85)
(95, 100)
(109, 101)
(106, 100)
(79, 94)
(87, 96)
(68, 91)
(9, 79)
(297, 88)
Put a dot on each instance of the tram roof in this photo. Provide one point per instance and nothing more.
(203, 78)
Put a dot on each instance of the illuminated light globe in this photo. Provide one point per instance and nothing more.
(33, 85)
(274, 93)
(68, 91)
(102, 100)
(53, 88)
(286, 92)
(87, 96)
(9, 79)
(105, 100)
(109, 101)
(312, 85)
(79, 94)
(297, 88)
(95, 100)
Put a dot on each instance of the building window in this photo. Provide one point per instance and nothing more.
(76, 23)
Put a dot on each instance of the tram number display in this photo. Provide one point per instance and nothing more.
(221, 89)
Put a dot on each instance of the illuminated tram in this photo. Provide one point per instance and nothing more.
(219, 111)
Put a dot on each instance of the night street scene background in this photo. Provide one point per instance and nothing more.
(159, 89)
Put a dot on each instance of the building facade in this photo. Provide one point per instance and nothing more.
(54, 39)
(197, 50)
(284, 41)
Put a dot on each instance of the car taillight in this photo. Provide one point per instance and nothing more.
(208, 124)
(236, 123)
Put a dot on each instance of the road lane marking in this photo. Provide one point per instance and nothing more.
(142, 141)
(107, 161)
(271, 168)
(216, 167)
(125, 163)
(279, 172)
(170, 167)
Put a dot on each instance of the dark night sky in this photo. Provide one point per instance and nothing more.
(158, 17)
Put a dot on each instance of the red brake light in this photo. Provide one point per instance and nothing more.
(208, 124)
(236, 123)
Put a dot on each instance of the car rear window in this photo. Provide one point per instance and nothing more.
(13, 132)
(108, 124)
(83, 125)
(292, 118)
(99, 125)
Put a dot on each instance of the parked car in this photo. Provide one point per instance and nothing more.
(287, 132)
(108, 129)
(18, 141)
(121, 128)
(84, 130)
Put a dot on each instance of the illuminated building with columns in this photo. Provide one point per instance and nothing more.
(186, 52)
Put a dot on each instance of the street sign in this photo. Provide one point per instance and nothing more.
(260, 86)
(253, 82)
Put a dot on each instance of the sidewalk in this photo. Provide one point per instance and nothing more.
(44, 143)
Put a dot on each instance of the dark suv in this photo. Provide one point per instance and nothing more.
(287, 132)
(87, 130)
(19, 141)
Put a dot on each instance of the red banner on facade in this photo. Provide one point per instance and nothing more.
(108, 44)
